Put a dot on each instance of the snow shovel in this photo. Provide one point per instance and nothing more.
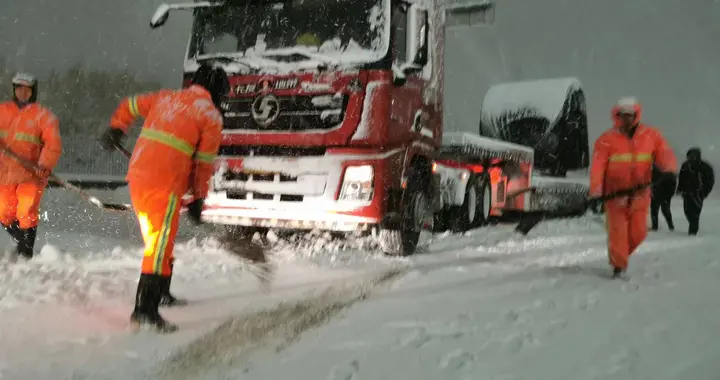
(241, 245)
(30, 166)
(532, 219)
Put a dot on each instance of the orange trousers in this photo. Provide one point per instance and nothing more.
(21, 202)
(627, 229)
(158, 213)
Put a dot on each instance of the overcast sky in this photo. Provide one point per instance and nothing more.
(666, 52)
(37, 35)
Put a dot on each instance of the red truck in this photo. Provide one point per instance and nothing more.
(335, 121)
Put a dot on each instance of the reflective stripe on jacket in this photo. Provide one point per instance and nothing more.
(33, 133)
(179, 141)
(620, 162)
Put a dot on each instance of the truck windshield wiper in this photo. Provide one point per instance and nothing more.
(325, 60)
(229, 58)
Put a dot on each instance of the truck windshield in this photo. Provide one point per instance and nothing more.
(257, 28)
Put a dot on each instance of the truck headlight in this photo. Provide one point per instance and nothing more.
(357, 183)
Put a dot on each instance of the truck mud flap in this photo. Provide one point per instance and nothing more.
(393, 201)
(392, 221)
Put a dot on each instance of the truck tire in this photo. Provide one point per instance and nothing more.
(440, 221)
(471, 213)
(403, 241)
(484, 201)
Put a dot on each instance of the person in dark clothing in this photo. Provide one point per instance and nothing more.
(695, 182)
(662, 193)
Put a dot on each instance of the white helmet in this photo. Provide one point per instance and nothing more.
(26, 79)
(627, 104)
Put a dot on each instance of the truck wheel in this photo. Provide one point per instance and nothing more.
(440, 220)
(404, 240)
(471, 213)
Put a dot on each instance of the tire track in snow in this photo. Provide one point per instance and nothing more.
(232, 342)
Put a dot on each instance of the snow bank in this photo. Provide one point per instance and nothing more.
(86, 253)
(77, 294)
(79, 268)
(90, 339)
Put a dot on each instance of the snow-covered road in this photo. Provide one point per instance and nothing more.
(542, 308)
(471, 307)
(70, 305)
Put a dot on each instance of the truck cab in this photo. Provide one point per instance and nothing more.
(334, 118)
(334, 115)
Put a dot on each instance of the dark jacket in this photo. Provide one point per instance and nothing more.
(665, 189)
(696, 178)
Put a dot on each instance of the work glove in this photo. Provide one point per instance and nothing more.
(194, 210)
(42, 172)
(595, 205)
(666, 177)
(111, 138)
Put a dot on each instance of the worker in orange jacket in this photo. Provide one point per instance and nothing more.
(31, 131)
(623, 158)
(173, 156)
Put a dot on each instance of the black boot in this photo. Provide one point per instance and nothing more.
(617, 272)
(26, 242)
(167, 298)
(13, 230)
(147, 301)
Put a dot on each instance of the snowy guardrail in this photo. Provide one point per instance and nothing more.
(85, 164)
(92, 181)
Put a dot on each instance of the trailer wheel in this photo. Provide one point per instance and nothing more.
(485, 201)
(403, 241)
(472, 213)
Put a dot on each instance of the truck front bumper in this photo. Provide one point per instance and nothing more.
(301, 192)
(290, 218)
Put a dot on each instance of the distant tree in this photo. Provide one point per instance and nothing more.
(85, 99)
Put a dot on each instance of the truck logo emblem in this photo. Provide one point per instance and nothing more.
(264, 85)
(265, 109)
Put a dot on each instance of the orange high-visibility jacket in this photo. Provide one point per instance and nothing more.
(31, 132)
(621, 162)
(179, 141)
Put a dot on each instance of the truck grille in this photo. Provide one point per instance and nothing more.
(264, 177)
(296, 113)
(247, 195)
(270, 186)
(270, 151)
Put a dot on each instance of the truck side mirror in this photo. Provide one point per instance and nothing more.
(417, 35)
(417, 31)
(160, 16)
